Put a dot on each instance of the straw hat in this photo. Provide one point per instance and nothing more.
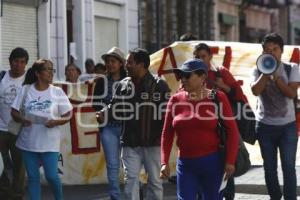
(115, 52)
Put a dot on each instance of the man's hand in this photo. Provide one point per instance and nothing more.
(164, 172)
(275, 75)
(100, 117)
(229, 170)
(26, 122)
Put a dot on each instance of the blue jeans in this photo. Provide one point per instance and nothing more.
(49, 160)
(285, 138)
(203, 173)
(110, 139)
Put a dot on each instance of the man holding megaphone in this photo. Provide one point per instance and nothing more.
(275, 84)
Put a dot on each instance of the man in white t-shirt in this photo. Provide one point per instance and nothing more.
(275, 119)
(10, 86)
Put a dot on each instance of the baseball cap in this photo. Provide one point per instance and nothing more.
(192, 65)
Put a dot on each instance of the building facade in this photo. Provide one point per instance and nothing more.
(161, 22)
(67, 30)
(226, 14)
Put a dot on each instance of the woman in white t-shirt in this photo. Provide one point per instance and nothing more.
(46, 107)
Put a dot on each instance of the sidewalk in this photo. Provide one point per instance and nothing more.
(252, 184)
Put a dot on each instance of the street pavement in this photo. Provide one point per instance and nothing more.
(249, 186)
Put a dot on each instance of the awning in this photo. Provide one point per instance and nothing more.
(296, 24)
(228, 19)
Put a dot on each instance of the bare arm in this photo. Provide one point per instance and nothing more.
(259, 85)
(289, 90)
(57, 122)
(16, 115)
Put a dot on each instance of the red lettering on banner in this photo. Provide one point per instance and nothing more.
(168, 51)
(214, 50)
(75, 138)
(227, 57)
(295, 56)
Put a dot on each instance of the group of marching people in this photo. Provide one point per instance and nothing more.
(139, 118)
(200, 168)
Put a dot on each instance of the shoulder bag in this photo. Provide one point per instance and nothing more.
(242, 163)
(13, 126)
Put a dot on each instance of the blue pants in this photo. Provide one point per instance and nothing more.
(49, 160)
(203, 173)
(110, 139)
(229, 191)
(285, 138)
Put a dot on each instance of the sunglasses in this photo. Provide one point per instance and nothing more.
(182, 75)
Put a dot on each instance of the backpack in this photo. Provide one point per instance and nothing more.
(246, 121)
(288, 69)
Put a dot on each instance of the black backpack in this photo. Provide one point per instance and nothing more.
(2, 74)
(288, 69)
(246, 123)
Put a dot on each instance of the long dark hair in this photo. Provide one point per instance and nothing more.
(123, 72)
(37, 66)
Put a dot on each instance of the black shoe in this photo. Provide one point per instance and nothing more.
(173, 179)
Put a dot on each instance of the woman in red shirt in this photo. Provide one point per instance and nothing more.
(191, 113)
(219, 77)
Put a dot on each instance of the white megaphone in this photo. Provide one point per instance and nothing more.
(266, 64)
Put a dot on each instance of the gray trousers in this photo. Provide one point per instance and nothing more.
(133, 159)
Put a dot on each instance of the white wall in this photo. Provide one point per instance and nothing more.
(18, 29)
(44, 30)
(58, 37)
(52, 28)
(84, 14)
(126, 12)
(89, 28)
(133, 37)
(79, 31)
